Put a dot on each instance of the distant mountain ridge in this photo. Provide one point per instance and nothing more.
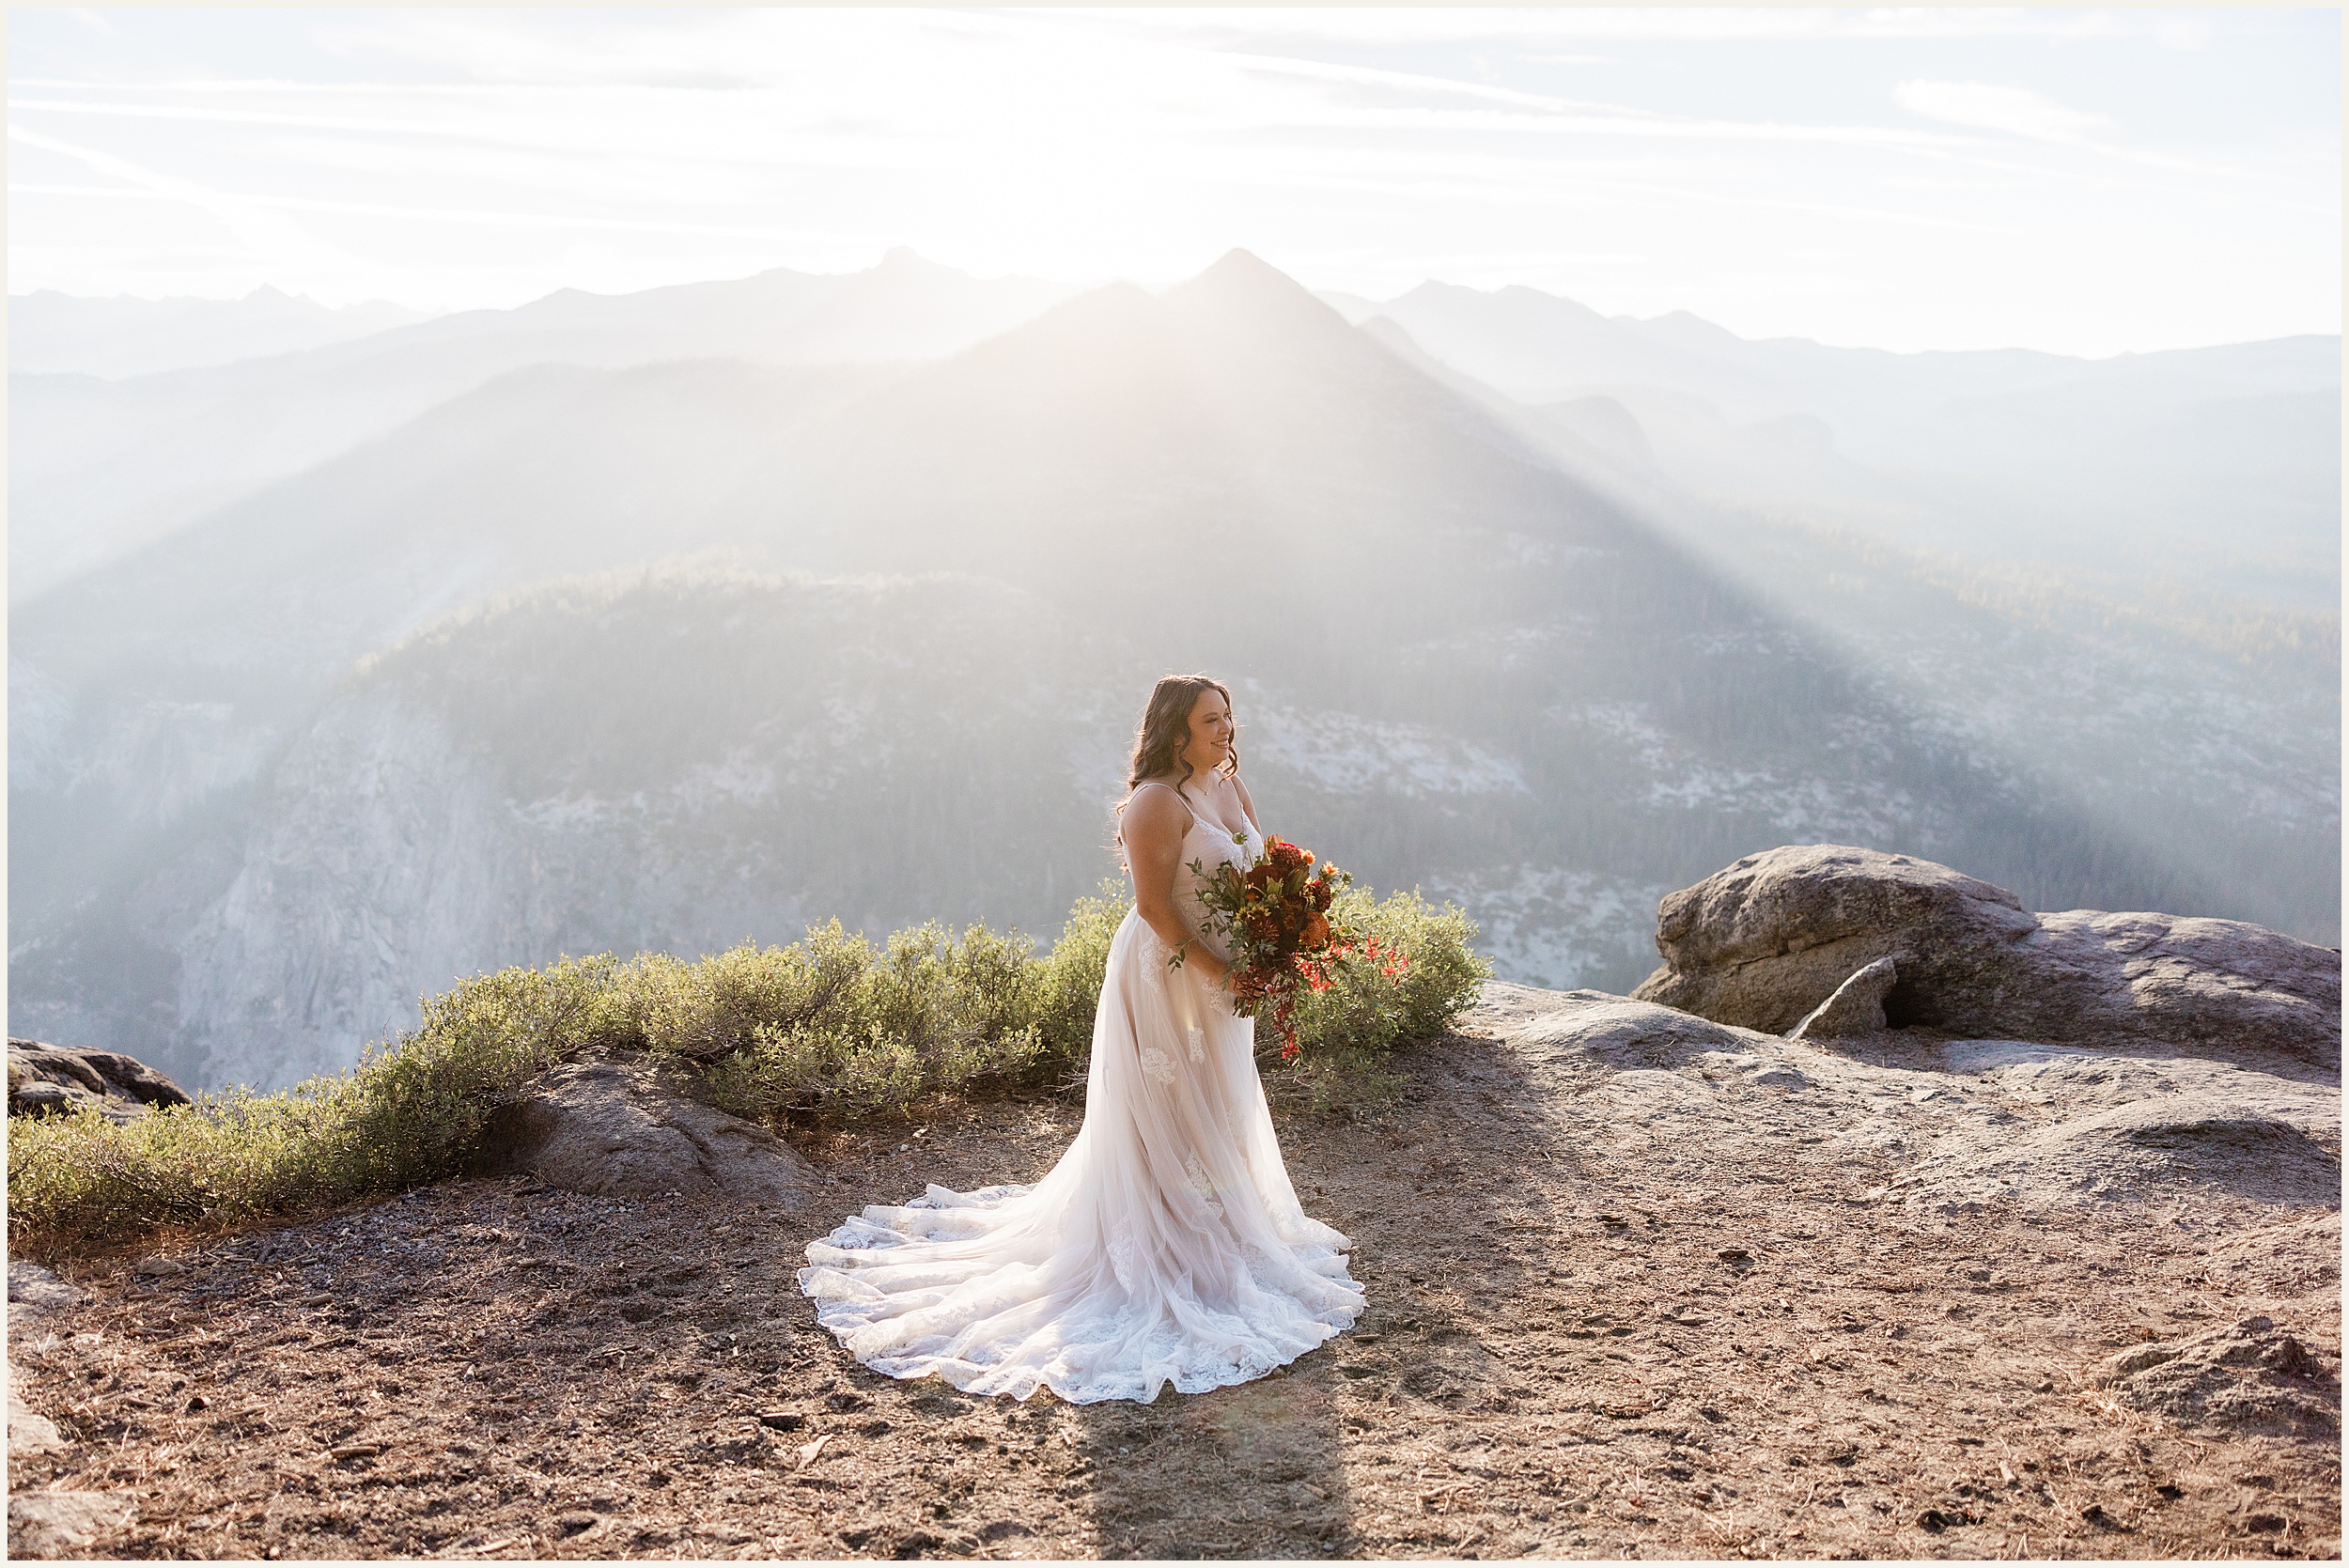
(1540, 347)
(99, 468)
(2107, 467)
(53, 334)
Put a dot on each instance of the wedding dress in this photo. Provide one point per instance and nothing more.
(1166, 1247)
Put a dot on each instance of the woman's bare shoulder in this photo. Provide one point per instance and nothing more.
(1154, 804)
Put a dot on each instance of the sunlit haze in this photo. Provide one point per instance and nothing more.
(2089, 182)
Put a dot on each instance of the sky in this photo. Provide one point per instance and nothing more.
(2082, 181)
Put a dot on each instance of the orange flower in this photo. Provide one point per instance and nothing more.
(1285, 939)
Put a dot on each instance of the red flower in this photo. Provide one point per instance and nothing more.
(1286, 943)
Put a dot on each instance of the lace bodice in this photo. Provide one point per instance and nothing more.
(1207, 844)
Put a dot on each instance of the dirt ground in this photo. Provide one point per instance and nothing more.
(1582, 1342)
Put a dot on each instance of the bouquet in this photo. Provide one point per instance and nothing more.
(1274, 916)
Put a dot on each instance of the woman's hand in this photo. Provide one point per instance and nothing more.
(1197, 957)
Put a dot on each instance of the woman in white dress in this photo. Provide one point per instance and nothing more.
(1167, 1246)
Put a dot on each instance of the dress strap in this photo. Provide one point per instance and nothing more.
(1156, 783)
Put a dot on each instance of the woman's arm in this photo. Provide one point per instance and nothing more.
(1153, 829)
(1246, 804)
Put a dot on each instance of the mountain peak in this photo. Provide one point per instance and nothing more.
(1237, 272)
(270, 294)
(904, 260)
(1239, 260)
(1241, 284)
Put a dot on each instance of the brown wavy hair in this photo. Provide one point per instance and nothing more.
(1166, 730)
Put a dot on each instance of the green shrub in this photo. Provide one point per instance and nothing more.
(934, 1014)
(829, 1029)
(1070, 985)
(1347, 1033)
(402, 1116)
(1364, 1008)
(707, 1009)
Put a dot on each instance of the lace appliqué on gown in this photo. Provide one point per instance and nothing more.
(1166, 1247)
(1121, 1262)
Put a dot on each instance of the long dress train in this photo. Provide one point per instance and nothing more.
(1167, 1246)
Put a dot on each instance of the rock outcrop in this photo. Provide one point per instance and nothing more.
(33, 1293)
(29, 1431)
(2249, 1376)
(33, 1289)
(65, 1524)
(1967, 1124)
(1677, 1233)
(45, 1079)
(1767, 941)
(615, 1131)
(1857, 1008)
(2067, 1125)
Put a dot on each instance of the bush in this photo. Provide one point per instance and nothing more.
(830, 1029)
(1348, 1033)
(1363, 1009)
(1070, 985)
(401, 1117)
(934, 1014)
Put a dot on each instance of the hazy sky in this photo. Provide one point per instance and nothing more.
(2087, 182)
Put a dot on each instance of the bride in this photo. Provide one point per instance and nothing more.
(1167, 1246)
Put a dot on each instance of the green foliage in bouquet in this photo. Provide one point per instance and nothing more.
(830, 1030)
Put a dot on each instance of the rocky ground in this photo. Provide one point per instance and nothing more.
(1640, 1286)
